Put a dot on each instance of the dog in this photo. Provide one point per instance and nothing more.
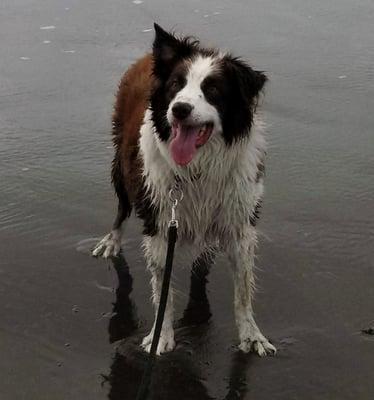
(187, 115)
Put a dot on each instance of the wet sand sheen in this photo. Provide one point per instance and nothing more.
(70, 325)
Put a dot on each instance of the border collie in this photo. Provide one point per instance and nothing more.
(186, 115)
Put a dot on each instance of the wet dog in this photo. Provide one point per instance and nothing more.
(187, 115)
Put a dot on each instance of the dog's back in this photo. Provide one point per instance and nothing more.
(131, 102)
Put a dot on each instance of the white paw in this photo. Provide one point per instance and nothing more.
(165, 344)
(259, 345)
(109, 246)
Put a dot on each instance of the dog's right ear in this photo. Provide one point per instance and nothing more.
(167, 50)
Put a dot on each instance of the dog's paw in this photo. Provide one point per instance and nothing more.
(109, 246)
(260, 346)
(165, 344)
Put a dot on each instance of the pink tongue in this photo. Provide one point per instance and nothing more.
(183, 145)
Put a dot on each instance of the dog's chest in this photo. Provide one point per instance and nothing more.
(219, 196)
(210, 211)
(204, 212)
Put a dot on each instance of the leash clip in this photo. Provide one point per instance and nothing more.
(175, 195)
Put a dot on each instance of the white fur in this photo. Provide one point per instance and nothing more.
(203, 112)
(221, 191)
(109, 245)
(220, 194)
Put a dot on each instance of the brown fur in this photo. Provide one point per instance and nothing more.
(131, 103)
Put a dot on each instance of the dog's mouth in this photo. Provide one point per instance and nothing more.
(186, 139)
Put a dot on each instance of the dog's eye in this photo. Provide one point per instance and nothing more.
(212, 90)
(176, 82)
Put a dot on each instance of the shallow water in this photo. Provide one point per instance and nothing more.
(63, 314)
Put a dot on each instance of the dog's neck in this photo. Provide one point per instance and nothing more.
(216, 163)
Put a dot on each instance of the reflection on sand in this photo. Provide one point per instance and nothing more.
(177, 374)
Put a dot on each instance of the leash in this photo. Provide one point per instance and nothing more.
(175, 196)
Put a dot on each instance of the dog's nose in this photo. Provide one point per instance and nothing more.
(181, 110)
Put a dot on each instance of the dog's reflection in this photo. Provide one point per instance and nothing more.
(124, 320)
(176, 375)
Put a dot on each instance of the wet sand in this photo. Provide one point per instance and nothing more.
(70, 325)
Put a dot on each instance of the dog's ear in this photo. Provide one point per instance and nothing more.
(245, 87)
(250, 81)
(167, 50)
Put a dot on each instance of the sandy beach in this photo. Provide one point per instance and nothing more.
(70, 325)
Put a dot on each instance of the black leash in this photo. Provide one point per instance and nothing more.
(172, 238)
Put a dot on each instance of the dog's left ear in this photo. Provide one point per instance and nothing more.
(246, 85)
(167, 50)
(250, 81)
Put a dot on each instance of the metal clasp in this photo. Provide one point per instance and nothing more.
(175, 196)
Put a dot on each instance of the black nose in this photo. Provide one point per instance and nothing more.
(181, 110)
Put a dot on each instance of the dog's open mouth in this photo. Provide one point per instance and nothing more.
(186, 139)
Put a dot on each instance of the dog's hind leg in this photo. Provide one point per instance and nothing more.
(110, 245)
(241, 256)
(198, 308)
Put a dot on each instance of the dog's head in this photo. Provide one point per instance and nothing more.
(200, 93)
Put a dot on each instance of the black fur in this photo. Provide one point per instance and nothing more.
(146, 211)
(124, 205)
(256, 214)
(233, 90)
(242, 86)
(168, 52)
(143, 205)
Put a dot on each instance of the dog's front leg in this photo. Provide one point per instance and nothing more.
(241, 256)
(155, 254)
